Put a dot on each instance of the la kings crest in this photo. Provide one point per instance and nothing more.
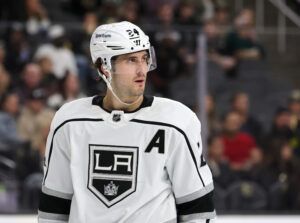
(112, 172)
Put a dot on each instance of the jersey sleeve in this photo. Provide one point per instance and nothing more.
(191, 177)
(57, 190)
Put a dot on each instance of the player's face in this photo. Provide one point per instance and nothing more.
(129, 74)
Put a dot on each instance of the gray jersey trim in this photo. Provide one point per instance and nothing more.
(205, 215)
(50, 216)
(171, 221)
(55, 193)
(200, 193)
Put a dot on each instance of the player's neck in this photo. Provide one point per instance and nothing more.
(111, 103)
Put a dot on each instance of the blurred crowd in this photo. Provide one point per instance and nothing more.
(44, 64)
(246, 160)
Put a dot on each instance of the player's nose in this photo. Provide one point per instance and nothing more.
(141, 74)
(141, 68)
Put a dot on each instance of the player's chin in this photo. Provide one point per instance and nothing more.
(139, 92)
(140, 88)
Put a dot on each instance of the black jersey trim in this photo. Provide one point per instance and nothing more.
(54, 205)
(147, 102)
(196, 217)
(201, 205)
(200, 193)
(57, 128)
(179, 130)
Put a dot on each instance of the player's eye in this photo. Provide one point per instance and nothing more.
(146, 59)
(132, 60)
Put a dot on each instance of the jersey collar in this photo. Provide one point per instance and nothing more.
(147, 102)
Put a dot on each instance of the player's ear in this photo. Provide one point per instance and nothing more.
(101, 68)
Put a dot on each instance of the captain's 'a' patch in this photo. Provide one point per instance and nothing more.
(112, 172)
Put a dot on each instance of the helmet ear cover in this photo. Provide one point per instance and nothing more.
(100, 66)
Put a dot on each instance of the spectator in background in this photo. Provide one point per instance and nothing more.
(280, 166)
(167, 44)
(63, 59)
(186, 16)
(49, 82)
(240, 104)
(69, 90)
(31, 79)
(37, 19)
(238, 145)
(110, 11)
(186, 13)
(170, 63)
(5, 80)
(131, 11)
(2, 55)
(215, 43)
(164, 23)
(294, 108)
(33, 118)
(152, 6)
(18, 51)
(165, 16)
(221, 170)
(281, 126)
(12, 145)
(242, 42)
(214, 125)
(9, 108)
(221, 17)
(80, 40)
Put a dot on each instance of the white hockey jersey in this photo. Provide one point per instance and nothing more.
(142, 166)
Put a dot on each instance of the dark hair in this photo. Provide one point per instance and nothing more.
(272, 151)
(212, 137)
(4, 97)
(226, 114)
(281, 110)
(236, 94)
(97, 65)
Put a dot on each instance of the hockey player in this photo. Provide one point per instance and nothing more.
(125, 157)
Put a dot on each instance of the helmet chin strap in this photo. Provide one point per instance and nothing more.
(107, 81)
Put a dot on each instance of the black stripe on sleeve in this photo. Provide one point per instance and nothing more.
(57, 128)
(54, 205)
(200, 205)
(179, 130)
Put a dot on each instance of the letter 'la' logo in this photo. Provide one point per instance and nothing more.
(112, 172)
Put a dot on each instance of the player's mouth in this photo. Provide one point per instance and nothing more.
(140, 81)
